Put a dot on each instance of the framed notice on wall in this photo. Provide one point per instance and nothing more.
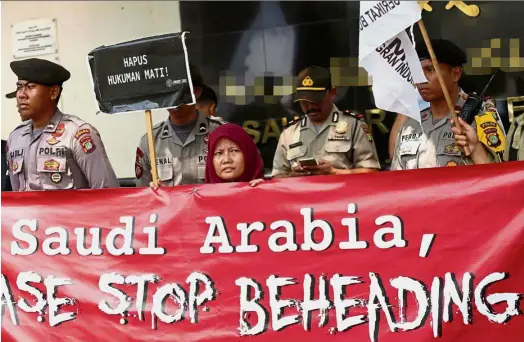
(34, 38)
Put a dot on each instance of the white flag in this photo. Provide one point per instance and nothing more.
(388, 55)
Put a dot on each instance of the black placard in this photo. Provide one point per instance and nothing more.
(148, 73)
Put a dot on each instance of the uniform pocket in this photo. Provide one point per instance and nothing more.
(165, 173)
(201, 172)
(409, 148)
(337, 146)
(296, 153)
(17, 166)
(54, 173)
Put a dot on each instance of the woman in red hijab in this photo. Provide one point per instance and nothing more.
(233, 157)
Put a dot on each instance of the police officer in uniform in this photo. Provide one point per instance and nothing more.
(180, 144)
(431, 144)
(6, 183)
(50, 150)
(340, 142)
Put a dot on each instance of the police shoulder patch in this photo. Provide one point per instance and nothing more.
(139, 154)
(139, 170)
(490, 133)
(88, 146)
(424, 115)
(82, 132)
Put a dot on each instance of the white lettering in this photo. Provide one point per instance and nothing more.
(339, 283)
(397, 230)
(288, 235)
(62, 239)
(248, 304)
(309, 228)
(30, 239)
(216, 223)
(127, 233)
(246, 229)
(22, 283)
(51, 284)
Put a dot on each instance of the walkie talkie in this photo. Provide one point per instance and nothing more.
(472, 105)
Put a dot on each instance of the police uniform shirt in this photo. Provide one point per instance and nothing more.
(343, 141)
(177, 163)
(432, 144)
(67, 154)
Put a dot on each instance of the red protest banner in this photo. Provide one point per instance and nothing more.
(397, 256)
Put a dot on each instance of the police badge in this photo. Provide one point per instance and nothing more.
(341, 128)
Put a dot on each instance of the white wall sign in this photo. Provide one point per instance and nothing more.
(34, 38)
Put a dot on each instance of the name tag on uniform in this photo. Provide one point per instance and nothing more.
(295, 144)
(164, 161)
(52, 151)
(16, 153)
(339, 137)
(410, 137)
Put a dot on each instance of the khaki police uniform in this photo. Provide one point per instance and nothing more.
(177, 163)
(432, 144)
(344, 141)
(67, 154)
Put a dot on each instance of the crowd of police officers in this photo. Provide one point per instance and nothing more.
(51, 150)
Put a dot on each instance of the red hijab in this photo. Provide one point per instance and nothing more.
(254, 166)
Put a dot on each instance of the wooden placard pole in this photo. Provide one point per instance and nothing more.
(451, 106)
(151, 145)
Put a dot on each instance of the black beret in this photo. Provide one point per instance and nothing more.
(445, 51)
(39, 71)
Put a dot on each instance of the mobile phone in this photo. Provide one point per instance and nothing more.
(307, 162)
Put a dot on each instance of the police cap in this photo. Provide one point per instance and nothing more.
(39, 71)
(445, 51)
(313, 83)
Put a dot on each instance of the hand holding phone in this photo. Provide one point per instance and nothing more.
(307, 162)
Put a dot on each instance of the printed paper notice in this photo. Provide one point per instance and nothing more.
(34, 38)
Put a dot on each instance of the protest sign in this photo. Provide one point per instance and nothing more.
(143, 74)
(397, 256)
(388, 55)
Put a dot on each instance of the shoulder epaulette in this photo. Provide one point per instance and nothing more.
(216, 120)
(158, 125)
(23, 124)
(294, 121)
(75, 119)
(356, 115)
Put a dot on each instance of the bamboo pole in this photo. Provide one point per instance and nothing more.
(451, 105)
(151, 145)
